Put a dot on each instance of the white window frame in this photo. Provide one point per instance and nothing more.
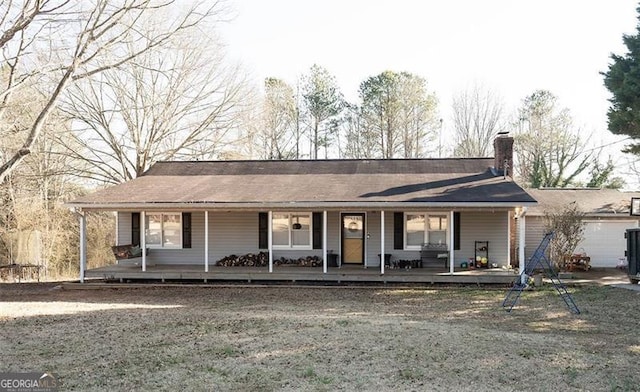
(290, 232)
(425, 240)
(162, 244)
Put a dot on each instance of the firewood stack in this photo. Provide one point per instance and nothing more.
(262, 260)
(249, 260)
(309, 261)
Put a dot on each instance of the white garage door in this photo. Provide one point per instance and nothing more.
(604, 241)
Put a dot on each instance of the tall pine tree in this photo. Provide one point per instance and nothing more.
(623, 81)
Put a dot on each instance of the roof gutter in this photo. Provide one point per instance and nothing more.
(290, 205)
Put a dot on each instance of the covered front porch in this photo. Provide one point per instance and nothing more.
(421, 245)
(284, 274)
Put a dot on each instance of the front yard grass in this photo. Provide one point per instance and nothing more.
(318, 339)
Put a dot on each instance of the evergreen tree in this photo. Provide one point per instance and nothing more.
(623, 81)
(323, 101)
(398, 113)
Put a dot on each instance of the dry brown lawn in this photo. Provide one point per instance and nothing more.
(277, 338)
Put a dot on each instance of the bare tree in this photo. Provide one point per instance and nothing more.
(181, 102)
(59, 42)
(278, 136)
(34, 226)
(567, 223)
(477, 118)
(549, 150)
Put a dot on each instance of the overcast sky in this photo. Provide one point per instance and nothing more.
(513, 47)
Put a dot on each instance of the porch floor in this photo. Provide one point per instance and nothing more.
(345, 274)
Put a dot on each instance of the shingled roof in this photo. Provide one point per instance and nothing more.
(313, 183)
(593, 201)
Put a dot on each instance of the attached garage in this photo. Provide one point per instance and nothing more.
(604, 241)
(606, 219)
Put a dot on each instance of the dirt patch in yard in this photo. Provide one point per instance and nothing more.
(278, 338)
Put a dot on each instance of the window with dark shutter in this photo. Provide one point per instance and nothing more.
(186, 230)
(317, 230)
(456, 231)
(263, 230)
(135, 228)
(398, 230)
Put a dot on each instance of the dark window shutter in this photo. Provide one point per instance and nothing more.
(398, 230)
(135, 228)
(186, 230)
(456, 231)
(317, 230)
(263, 230)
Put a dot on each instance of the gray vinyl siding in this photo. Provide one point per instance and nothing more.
(373, 238)
(484, 226)
(124, 228)
(193, 255)
(333, 232)
(534, 233)
(396, 254)
(230, 233)
(372, 243)
(237, 233)
(474, 226)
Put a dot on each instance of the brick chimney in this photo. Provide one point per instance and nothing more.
(503, 153)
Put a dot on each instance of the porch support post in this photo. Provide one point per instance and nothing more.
(508, 238)
(451, 246)
(324, 242)
(382, 242)
(117, 229)
(83, 245)
(521, 243)
(143, 239)
(270, 238)
(206, 241)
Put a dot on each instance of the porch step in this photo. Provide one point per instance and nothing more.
(335, 275)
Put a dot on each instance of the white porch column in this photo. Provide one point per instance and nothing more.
(508, 239)
(324, 242)
(451, 245)
(143, 239)
(117, 229)
(381, 241)
(521, 241)
(206, 241)
(83, 245)
(270, 238)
